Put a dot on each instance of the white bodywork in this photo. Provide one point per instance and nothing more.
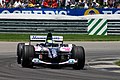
(63, 49)
(52, 51)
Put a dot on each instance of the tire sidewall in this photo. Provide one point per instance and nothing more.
(78, 53)
(19, 52)
(28, 55)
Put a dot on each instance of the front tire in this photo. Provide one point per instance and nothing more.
(78, 53)
(28, 55)
(19, 52)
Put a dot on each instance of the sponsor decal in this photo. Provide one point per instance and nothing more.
(66, 48)
(38, 37)
(71, 12)
(43, 37)
(35, 12)
(91, 11)
(111, 12)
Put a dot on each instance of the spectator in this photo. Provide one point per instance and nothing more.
(31, 4)
(95, 4)
(54, 4)
(10, 5)
(0, 5)
(110, 4)
(70, 3)
(32, 1)
(24, 4)
(86, 5)
(7, 3)
(62, 3)
(47, 3)
(104, 3)
(38, 3)
(17, 4)
(11, 2)
(82, 4)
(117, 5)
(3, 4)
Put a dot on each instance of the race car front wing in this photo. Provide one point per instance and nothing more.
(38, 61)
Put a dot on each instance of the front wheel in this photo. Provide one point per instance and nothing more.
(19, 52)
(28, 55)
(78, 54)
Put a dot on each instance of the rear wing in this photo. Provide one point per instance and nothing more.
(43, 38)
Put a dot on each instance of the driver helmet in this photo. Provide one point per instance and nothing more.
(49, 43)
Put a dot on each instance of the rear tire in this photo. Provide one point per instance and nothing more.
(78, 54)
(28, 55)
(19, 52)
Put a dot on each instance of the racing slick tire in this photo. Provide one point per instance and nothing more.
(78, 53)
(19, 52)
(27, 56)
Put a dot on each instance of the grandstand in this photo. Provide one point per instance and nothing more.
(59, 4)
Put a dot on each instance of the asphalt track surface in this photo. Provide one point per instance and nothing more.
(10, 70)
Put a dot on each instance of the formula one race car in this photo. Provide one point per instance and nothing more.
(50, 51)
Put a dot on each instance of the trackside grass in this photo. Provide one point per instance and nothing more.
(67, 37)
(117, 62)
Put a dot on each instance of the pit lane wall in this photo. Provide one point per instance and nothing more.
(31, 20)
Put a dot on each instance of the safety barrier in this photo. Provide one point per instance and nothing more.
(42, 26)
(57, 26)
